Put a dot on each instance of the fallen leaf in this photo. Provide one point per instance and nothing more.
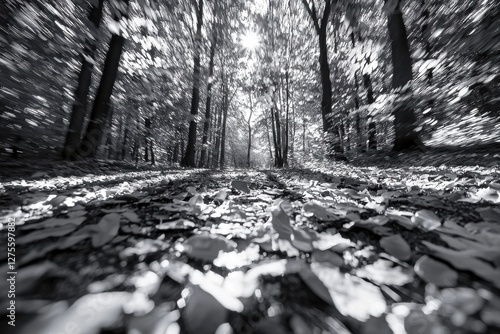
(179, 224)
(385, 272)
(203, 314)
(241, 186)
(396, 246)
(426, 220)
(105, 310)
(108, 228)
(435, 272)
(459, 261)
(131, 216)
(46, 233)
(206, 247)
(54, 222)
(315, 284)
(351, 295)
(319, 212)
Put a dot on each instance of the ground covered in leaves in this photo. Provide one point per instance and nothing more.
(345, 249)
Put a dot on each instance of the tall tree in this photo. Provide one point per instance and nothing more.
(404, 116)
(80, 103)
(206, 127)
(320, 25)
(93, 135)
(189, 159)
(249, 124)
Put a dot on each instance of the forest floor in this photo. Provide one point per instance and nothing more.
(404, 243)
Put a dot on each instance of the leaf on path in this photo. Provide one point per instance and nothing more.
(385, 272)
(351, 295)
(220, 197)
(303, 239)
(426, 220)
(418, 322)
(327, 256)
(315, 284)
(319, 211)
(241, 186)
(108, 228)
(490, 215)
(459, 261)
(105, 311)
(466, 300)
(402, 220)
(76, 213)
(435, 272)
(56, 201)
(489, 194)
(478, 249)
(46, 233)
(54, 222)
(376, 325)
(281, 222)
(28, 277)
(396, 246)
(176, 207)
(206, 247)
(333, 242)
(131, 216)
(233, 260)
(203, 314)
(179, 224)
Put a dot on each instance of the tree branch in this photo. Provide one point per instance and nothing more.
(312, 14)
(326, 14)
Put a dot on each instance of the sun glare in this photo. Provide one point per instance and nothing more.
(250, 40)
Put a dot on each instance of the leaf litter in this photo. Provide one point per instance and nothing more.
(351, 250)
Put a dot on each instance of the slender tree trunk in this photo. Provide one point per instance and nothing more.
(287, 120)
(275, 140)
(147, 137)
(279, 163)
(93, 135)
(80, 104)
(372, 126)
(404, 116)
(304, 136)
(216, 152)
(249, 129)
(269, 139)
(190, 155)
(426, 36)
(223, 132)
(206, 126)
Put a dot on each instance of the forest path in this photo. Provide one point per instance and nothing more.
(348, 250)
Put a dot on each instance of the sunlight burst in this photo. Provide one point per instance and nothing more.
(250, 40)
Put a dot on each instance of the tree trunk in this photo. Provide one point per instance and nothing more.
(223, 132)
(279, 161)
(216, 153)
(275, 140)
(80, 104)
(190, 155)
(372, 127)
(93, 135)
(287, 106)
(404, 116)
(206, 127)
(326, 84)
(268, 138)
(147, 137)
(249, 129)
